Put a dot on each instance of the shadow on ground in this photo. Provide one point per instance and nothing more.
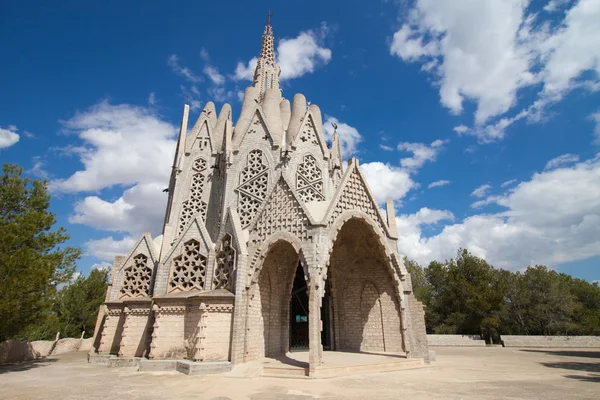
(26, 365)
(567, 353)
(583, 365)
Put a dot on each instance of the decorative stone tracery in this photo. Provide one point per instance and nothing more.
(189, 269)
(308, 133)
(282, 213)
(355, 197)
(137, 278)
(254, 181)
(223, 278)
(194, 205)
(309, 180)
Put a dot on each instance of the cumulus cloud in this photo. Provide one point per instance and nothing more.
(8, 136)
(487, 51)
(551, 219)
(387, 181)
(421, 153)
(439, 183)
(141, 208)
(121, 145)
(349, 136)
(107, 248)
(296, 57)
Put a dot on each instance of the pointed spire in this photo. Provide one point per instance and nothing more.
(267, 52)
(266, 74)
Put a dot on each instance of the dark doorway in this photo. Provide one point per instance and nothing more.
(326, 314)
(299, 312)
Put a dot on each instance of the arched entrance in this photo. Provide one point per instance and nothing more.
(364, 302)
(277, 313)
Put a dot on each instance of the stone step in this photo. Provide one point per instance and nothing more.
(284, 372)
(337, 371)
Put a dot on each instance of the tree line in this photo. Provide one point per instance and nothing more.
(467, 295)
(38, 295)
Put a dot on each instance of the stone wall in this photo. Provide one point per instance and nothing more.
(15, 351)
(551, 341)
(455, 340)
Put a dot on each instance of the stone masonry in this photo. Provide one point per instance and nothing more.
(249, 204)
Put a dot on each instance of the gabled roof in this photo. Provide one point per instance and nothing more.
(353, 181)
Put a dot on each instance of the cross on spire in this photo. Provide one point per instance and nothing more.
(268, 21)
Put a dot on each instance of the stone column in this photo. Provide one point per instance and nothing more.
(314, 325)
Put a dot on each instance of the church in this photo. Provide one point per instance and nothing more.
(270, 244)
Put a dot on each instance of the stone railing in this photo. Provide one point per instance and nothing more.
(454, 340)
(15, 351)
(550, 341)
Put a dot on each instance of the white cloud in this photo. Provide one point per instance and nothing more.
(551, 219)
(220, 94)
(460, 129)
(386, 148)
(173, 62)
(296, 57)
(421, 153)
(107, 248)
(38, 168)
(8, 137)
(214, 75)
(387, 181)
(141, 208)
(122, 145)
(245, 71)
(349, 136)
(487, 51)
(596, 118)
(439, 183)
(563, 160)
(151, 99)
(508, 183)
(103, 266)
(481, 191)
(555, 5)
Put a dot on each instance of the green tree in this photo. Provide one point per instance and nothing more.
(32, 261)
(467, 296)
(420, 286)
(78, 304)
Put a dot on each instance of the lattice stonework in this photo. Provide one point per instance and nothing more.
(254, 181)
(309, 180)
(353, 197)
(194, 204)
(137, 278)
(225, 264)
(282, 213)
(188, 271)
(308, 134)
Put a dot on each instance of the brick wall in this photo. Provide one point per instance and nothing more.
(551, 341)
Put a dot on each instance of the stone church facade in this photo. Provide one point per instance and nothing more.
(269, 244)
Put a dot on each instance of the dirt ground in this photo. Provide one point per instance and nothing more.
(459, 373)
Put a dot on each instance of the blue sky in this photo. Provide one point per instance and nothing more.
(480, 119)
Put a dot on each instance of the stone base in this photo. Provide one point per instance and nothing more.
(157, 365)
(124, 361)
(93, 358)
(202, 368)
